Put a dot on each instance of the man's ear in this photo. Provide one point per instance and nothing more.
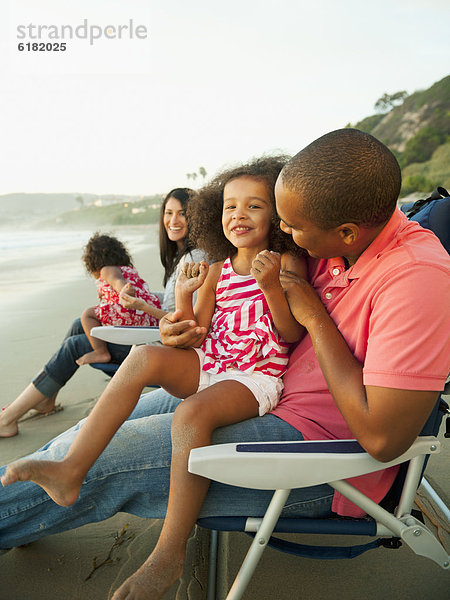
(349, 233)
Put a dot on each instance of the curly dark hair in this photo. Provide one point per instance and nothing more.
(205, 210)
(105, 251)
(345, 176)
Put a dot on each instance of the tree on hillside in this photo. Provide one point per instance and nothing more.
(388, 101)
(202, 172)
(80, 201)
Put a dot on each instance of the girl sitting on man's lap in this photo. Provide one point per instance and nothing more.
(233, 375)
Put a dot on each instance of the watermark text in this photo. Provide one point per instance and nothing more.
(84, 31)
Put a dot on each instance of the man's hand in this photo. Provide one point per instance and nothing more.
(178, 333)
(303, 300)
(266, 270)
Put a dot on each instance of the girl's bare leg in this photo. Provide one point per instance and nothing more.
(100, 352)
(193, 423)
(31, 397)
(174, 369)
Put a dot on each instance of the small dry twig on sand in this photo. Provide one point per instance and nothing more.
(425, 505)
(119, 539)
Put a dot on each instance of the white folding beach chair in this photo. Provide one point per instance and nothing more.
(287, 465)
(130, 336)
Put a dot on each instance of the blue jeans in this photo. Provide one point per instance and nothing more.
(132, 475)
(62, 365)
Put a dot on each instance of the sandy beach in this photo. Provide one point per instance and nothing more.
(34, 316)
(41, 294)
(37, 304)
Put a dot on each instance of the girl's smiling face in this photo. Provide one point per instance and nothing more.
(247, 213)
(175, 221)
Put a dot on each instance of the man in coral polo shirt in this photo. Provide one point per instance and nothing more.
(378, 322)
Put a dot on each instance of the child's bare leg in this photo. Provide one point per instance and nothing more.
(31, 397)
(100, 352)
(193, 423)
(176, 370)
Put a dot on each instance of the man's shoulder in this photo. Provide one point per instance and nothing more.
(415, 247)
(414, 266)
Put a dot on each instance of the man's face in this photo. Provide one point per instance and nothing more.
(319, 243)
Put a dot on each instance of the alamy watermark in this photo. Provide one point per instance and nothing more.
(84, 31)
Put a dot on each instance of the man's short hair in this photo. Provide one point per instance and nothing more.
(345, 176)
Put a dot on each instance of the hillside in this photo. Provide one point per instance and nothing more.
(18, 208)
(22, 210)
(136, 212)
(418, 132)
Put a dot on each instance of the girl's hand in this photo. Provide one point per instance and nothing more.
(266, 268)
(128, 289)
(303, 300)
(192, 276)
(128, 300)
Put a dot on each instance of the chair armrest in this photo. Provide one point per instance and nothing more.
(288, 465)
(126, 335)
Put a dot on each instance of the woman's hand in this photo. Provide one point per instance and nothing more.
(266, 270)
(303, 300)
(192, 276)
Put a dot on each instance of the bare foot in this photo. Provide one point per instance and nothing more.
(54, 477)
(46, 406)
(152, 580)
(8, 424)
(8, 430)
(42, 413)
(94, 357)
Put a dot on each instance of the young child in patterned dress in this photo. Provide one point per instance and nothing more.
(246, 327)
(107, 259)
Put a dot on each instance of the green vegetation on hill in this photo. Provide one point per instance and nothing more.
(418, 132)
(424, 177)
(140, 212)
(42, 210)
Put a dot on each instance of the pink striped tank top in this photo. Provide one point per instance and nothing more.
(242, 334)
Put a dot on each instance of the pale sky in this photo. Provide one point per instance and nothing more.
(212, 84)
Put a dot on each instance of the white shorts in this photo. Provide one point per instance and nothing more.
(266, 389)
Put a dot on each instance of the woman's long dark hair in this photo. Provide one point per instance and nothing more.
(168, 250)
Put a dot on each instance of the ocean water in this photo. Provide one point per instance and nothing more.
(26, 244)
(33, 260)
(22, 244)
